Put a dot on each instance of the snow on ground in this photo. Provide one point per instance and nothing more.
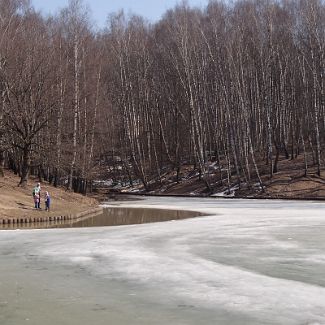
(247, 262)
(227, 193)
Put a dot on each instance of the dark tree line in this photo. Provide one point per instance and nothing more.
(238, 85)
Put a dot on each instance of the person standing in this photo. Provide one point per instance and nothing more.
(37, 196)
(36, 200)
(47, 201)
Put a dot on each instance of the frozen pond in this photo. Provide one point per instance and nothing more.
(250, 262)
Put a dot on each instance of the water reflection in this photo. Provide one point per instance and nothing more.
(112, 217)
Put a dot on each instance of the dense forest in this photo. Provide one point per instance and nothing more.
(238, 85)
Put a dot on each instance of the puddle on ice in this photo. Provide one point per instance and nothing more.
(112, 217)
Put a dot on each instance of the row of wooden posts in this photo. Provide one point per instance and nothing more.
(22, 220)
(26, 220)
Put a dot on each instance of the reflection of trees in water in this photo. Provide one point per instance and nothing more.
(124, 216)
(113, 217)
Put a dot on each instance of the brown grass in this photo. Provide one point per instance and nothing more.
(16, 201)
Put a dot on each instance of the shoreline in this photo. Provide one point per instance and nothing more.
(126, 194)
(43, 219)
(123, 196)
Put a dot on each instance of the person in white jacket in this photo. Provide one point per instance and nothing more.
(37, 196)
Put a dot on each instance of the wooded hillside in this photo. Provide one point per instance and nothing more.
(236, 86)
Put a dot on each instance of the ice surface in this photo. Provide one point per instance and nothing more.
(250, 262)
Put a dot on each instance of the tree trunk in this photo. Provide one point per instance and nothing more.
(2, 163)
(76, 112)
(25, 167)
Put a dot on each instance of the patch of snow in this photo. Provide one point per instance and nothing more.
(133, 190)
(227, 193)
(108, 182)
